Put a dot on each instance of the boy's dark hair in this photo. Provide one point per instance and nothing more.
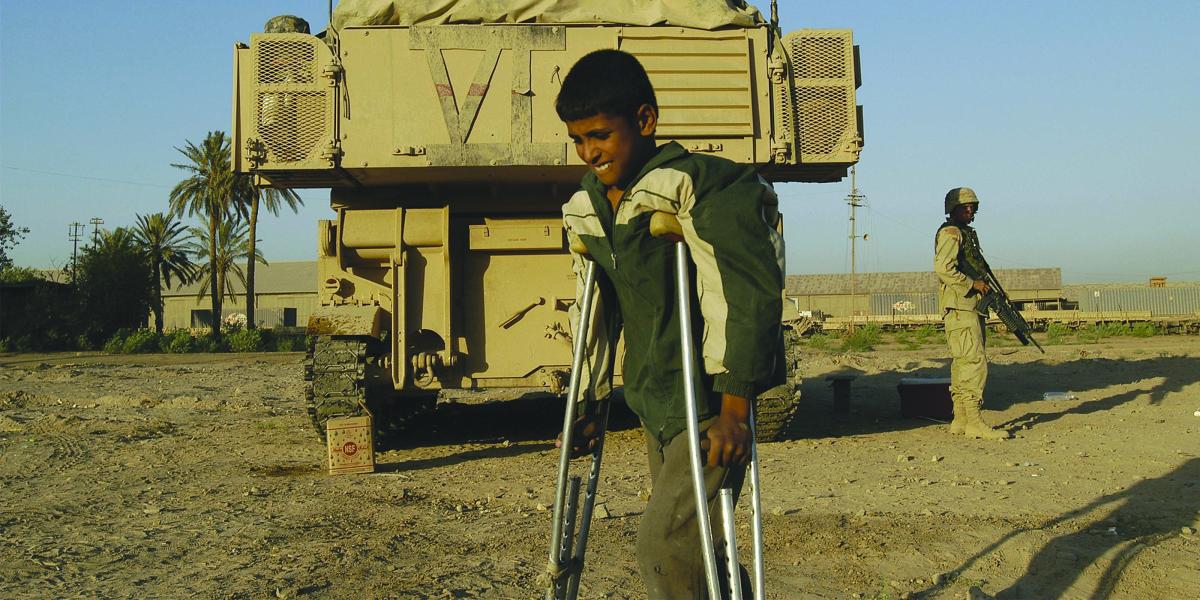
(605, 81)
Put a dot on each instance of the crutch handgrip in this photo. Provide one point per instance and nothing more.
(666, 225)
(576, 245)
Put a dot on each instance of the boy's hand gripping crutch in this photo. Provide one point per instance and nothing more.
(565, 565)
(666, 225)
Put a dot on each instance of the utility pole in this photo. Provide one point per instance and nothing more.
(74, 234)
(855, 200)
(96, 223)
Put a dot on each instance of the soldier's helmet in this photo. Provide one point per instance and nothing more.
(286, 24)
(960, 195)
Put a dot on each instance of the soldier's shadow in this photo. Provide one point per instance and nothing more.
(1099, 384)
(1142, 516)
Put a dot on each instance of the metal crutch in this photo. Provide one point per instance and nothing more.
(664, 224)
(566, 556)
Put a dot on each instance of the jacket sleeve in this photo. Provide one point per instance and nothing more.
(731, 231)
(603, 328)
(945, 262)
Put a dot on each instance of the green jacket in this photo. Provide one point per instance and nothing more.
(730, 220)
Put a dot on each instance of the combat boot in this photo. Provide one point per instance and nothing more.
(976, 427)
(959, 424)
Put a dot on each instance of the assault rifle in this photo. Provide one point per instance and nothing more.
(997, 301)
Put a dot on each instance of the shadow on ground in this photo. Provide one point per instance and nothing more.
(532, 417)
(1101, 384)
(1139, 517)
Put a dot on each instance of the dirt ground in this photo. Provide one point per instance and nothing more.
(198, 476)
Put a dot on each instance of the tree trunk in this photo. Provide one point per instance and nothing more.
(158, 301)
(250, 300)
(212, 277)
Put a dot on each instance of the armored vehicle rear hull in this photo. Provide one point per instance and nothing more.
(445, 264)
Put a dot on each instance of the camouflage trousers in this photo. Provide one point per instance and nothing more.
(668, 541)
(968, 369)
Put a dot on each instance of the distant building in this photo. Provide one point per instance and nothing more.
(286, 295)
(911, 293)
(1158, 298)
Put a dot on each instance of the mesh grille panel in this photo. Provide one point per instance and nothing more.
(824, 116)
(286, 61)
(824, 110)
(819, 57)
(291, 124)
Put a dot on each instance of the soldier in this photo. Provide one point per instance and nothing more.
(959, 289)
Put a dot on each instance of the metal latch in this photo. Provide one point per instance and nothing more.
(331, 151)
(409, 151)
(777, 70)
(782, 150)
(256, 152)
(705, 147)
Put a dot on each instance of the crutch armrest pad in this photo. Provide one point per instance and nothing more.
(666, 225)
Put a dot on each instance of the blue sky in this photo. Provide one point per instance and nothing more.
(1078, 123)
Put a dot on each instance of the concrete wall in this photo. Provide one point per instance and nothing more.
(269, 310)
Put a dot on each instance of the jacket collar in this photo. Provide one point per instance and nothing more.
(663, 155)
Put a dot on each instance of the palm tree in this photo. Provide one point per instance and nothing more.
(272, 199)
(163, 241)
(208, 193)
(218, 258)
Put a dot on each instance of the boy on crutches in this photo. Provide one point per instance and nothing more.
(728, 218)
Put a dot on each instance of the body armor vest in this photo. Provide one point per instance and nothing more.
(970, 255)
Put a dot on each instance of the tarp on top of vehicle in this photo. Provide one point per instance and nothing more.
(699, 14)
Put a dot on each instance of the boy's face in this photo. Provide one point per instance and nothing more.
(615, 147)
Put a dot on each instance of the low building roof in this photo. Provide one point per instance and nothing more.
(913, 281)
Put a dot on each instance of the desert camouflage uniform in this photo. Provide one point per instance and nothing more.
(960, 313)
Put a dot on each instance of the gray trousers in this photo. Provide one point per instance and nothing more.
(668, 541)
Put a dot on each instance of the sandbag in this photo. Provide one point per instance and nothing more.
(699, 14)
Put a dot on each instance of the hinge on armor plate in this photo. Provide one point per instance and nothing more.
(409, 151)
(331, 151)
(256, 152)
(332, 72)
(781, 150)
(705, 147)
(777, 69)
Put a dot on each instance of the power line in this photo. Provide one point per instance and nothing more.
(88, 177)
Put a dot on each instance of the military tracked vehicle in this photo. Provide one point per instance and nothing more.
(444, 263)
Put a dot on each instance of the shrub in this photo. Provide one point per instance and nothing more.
(1056, 333)
(819, 341)
(140, 342)
(245, 340)
(925, 333)
(861, 339)
(116, 343)
(179, 341)
(908, 339)
(1098, 331)
(289, 343)
(1145, 329)
(207, 343)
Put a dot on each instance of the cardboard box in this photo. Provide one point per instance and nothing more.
(351, 445)
(923, 397)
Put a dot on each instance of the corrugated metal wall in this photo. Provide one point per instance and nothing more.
(900, 304)
(1159, 301)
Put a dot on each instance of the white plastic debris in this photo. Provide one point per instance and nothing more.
(1059, 396)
